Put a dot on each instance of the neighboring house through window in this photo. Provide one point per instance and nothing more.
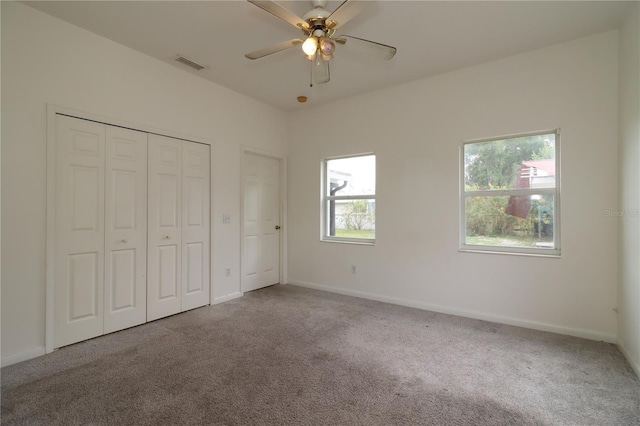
(349, 198)
(510, 194)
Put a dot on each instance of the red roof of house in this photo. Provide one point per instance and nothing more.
(548, 166)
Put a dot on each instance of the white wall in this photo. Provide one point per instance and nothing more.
(416, 129)
(45, 60)
(0, 191)
(629, 288)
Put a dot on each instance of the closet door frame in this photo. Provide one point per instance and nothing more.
(50, 271)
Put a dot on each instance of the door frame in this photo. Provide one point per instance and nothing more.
(282, 160)
(52, 111)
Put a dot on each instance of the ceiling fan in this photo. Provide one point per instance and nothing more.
(319, 27)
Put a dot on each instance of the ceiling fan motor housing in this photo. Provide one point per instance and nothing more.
(317, 13)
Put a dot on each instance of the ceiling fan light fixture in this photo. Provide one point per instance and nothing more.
(327, 47)
(310, 46)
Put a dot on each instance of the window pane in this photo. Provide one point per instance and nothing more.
(516, 163)
(351, 219)
(515, 221)
(352, 176)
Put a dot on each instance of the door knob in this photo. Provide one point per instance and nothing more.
(166, 238)
(277, 226)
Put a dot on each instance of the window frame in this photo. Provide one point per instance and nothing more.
(325, 198)
(464, 194)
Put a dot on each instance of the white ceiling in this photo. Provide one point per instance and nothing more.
(432, 37)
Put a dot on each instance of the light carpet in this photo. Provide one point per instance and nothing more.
(287, 355)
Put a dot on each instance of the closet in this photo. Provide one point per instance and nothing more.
(132, 228)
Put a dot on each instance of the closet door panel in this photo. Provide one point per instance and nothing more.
(164, 267)
(126, 229)
(79, 236)
(195, 224)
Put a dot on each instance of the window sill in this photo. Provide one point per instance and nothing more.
(554, 254)
(348, 241)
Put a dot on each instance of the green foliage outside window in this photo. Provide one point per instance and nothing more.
(494, 165)
(357, 215)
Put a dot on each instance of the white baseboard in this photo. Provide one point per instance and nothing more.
(22, 356)
(576, 332)
(226, 298)
(635, 364)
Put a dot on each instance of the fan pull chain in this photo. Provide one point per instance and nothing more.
(312, 62)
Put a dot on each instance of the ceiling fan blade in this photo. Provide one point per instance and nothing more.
(319, 71)
(347, 10)
(273, 49)
(281, 12)
(379, 50)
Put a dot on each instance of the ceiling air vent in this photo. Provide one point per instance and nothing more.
(189, 63)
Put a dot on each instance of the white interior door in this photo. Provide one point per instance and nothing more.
(79, 251)
(195, 225)
(261, 222)
(125, 276)
(164, 270)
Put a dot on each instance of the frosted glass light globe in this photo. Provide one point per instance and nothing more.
(327, 46)
(310, 46)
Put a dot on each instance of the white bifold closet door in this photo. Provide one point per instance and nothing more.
(195, 225)
(100, 254)
(178, 226)
(79, 257)
(125, 274)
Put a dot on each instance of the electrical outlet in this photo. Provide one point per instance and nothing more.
(226, 218)
(227, 272)
(353, 269)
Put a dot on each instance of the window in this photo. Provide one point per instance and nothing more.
(510, 194)
(349, 199)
